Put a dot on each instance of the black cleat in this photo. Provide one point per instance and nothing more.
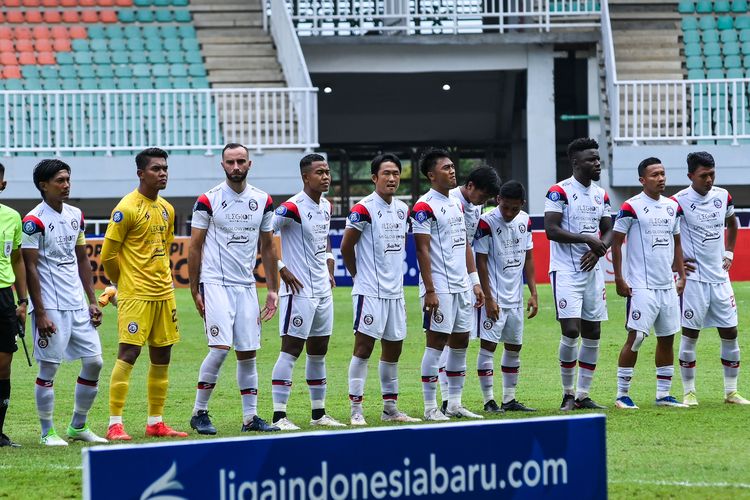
(202, 423)
(491, 407)
(568, 403)
(5, 441)
(514, 405)
(257, 424)
(444, 407)
(588, 404)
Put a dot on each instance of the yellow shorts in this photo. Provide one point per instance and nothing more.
(141, 321)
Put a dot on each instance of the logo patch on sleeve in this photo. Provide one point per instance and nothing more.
(117, 217)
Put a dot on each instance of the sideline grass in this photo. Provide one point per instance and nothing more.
(652, 452)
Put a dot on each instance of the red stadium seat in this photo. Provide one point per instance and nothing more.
(15, 17)
(89, 16)
(12, 3)
(2, 16)
(6, 45)
(62, 45)
(71, 17)
(124, 3)
(8, 59)
(108, 16)
(52, 17)
(87, 3)
(59, 32)
(50, 3)
(31, 3)
(105, 3)
(33, 17)
(41, 32)
(12, 72)
(68, 3)
(6, 33)
(22, 33)
(43, 45)
(46, 58)
(25, 58)
(78, 32)
(24, 46)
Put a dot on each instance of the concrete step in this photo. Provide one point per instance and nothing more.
(246, 49)
(662, 66)
(221, 7)
(254, 62)
(629, 53)
(245, 75)
(212, 36)
(251, 85)
(227, 20)
(648, 76)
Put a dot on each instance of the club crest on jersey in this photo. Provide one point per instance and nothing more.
(132, 327)
(689, 314)
(522, 228)
(368, 319)
(598, 199)
(562, 303)
(214, 330)
(717, 203)
(670, 211)
(328, 216)
(297, 321)
(29, 227)
(553, 195)
(42, 343)
(438, 316)
(281, 210)
(354, 217)
(117, 217)
(421, 216)
(74, 224)
(164, 214)
(253, 205)
(487, 324)
(400, 214)
(636, 315)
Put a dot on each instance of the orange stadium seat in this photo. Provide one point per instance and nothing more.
(33, 17)
(87, 3)
(60, 32)
(41, 32)
(15, 16)
(89, 16)
(12, 3)
(31, 3)
(52, 17)
(8, 59)
(46, 58)
(6, 45)
(68, 3)
(43, 45)
(25, 58)
(50, 3)
(6, 33)
(124, 3)
(105, 3)
(22, 33)
(24, 46)
(12, 72)
(2, 16)
(108, 16)
(71, 16)
(61, 45)
(77, 32)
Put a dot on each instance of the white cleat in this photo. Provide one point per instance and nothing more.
(52, 439)
(435, 415)
(358, 420)
(734, 398)
(286, 425)
(84, 435)
(671, 402)
(327, 421)
(397, 416)
(459, 411)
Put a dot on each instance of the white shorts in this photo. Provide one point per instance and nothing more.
(657, 309)
(707, 305)
(383, 319)
(76, 337)
(232, 316)
(455, 313)
(507, 329)
(579, 295)
(305, 317)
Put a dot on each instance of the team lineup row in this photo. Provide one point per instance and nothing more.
(472, 269)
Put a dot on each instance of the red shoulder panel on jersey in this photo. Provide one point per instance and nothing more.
(606, 198)
(729, 200)
(626, 210)
(679, 207)
(483, 229)
(269, 205)
(289, 210)
(422, 211)
(32, 225)
(203, 205)
(82, 227)
(557, 193)
(359, 213)
(528, 222)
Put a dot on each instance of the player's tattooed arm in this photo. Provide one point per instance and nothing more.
(348, 243)
(195, 256)
(44, 326)
(529, 270)
(732, 227)
(679, 264)
(87, 280)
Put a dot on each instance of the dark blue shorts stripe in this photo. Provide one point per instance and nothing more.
(358, 315)
(288, 315)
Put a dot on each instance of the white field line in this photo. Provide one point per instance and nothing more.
(41, 467)
(685, 484)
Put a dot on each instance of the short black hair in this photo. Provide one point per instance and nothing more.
(383, 158)
(699, 159)
(142, 158)
(308, 160)
(642, 166)
(47, 169)
(2, 170)
(429, 159)
(581, 144)
(234, 145)
(513, 190)
(485, 179)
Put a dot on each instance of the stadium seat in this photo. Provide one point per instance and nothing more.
(721, 6)
(745, 48)
(697, 73)
(46, 58)
(91, 16)
(180, 83)
(745, 35)
(141, 70)
(179, 3)
(24, 46)
(99, 45)
(143, 3)
(106, 83)
(123, 71)
(188, 30)
(183, 16)
(26, 58)
(706, 22)
(746, 63)
(43, 45)
(163, 16)
(104, 72)
(132, 31)
(713, 62)
(138, 58)
(82, 57)
(70, 84)
(49, 72)
(729, 36)
(120, 57)
(151, 31)
(8, 59)
(686, 7)
(730, 49)
(7, 46)
(715, 74)
(170, 31)
(735, 73)
(157, 57)
(125, 83)
(739, 6)
(89, 84)
(77, 32)
(175, 57)
(51, 17)
(732, 61)
(178, 70)
(193, 58)
(33, 17)
(30, 72)
(711, 49)
(126, 16)
(61, 45)
(143, 83)
(15, 17)
(742, 23)
(12, 82)
(144, 16)
(102, 58)
(692, 49)
(725, 23)
(70, 16)
(52, 84)
(160, 71)
(197, 70)
(190, 44)
(172, 44)
(135, 44)
(80, 45)
(162, 83)
(154, 44)
(704, 7)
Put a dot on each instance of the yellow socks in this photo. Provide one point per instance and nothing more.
(119, 384)
(158, 382)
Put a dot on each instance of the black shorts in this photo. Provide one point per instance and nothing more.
(8, 321)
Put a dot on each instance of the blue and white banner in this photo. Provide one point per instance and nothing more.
(551, 457)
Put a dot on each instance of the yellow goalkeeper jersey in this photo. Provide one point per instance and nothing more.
(145, 229)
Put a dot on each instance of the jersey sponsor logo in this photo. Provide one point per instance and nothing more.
(689, 314)
(438, 316)
(280, 210)
(132, 327)
(117, 217)
(487, 324)
(421, 216)
(368, 319)
(562, 303)
(670, 211)
(401, 214)
(51, 226)
(42, 343)
(74, 224)
(636, 315)
(717, 203)
(29, 227)
(253, 205)
(354, 217)
(214, 330)
(297, 321)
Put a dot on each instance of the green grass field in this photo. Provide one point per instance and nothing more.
(702, 452)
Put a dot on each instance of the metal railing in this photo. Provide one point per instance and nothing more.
(424, 17)
(125, 120)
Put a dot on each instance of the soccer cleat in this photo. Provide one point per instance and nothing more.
(5, 441)
(734, 398)
(625, 403)
(459, 411)
(285, 424)
(690, 399)
(568, 403)
(514, 405)
(357, 419)
(160, 429)
(326, 421)
(201, 422)
(435, 415)
(397, 416)
(52, 439)
(491, 407)
(670, 401)
(84, 434)
(587, 404)
(257, 424)
(116, 432)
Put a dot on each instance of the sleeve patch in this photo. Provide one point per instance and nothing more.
(626, 210)
(359, 213)
(117, 216)
(557, 193)
(422, 212)
(483, 229)
(289, 210)
(203, 205)
(32, 225)
(269, 205)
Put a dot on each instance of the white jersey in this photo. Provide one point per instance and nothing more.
(702, 221)
(233, 222)
(650, 226)
(304, 226)
(380, 250)
(471, 213)
(442, 218)
(55, 235)
(505, 244)
(582, 209)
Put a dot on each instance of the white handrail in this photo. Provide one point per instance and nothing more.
(610, 68)
(188, 120)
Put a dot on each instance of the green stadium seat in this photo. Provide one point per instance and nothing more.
(714, 62)
(114, 31)
(13, 84)
(143, 83)
(162, 83)
(70, 84)
(120, 57)
(180, 83)
(696, 74)
(710, 36)
(144, 16)
(33, 84)
(733, 61)
(730, 49)
(49, 71)
(68, 71)
(162, 3)
(746, 63)
(135, 44)
(175, 57)
(86, 71)
(715, 74)
(51, 84)
(160, 70)
(64, 58)
(151, 31)
(143, 3)
(711, 49)
(178, 70)
(170, 31)
(194, 58)
(745, 48)
(183, 16)
(197, 70)
(172, 44)
(721, 6)
(686, 7)
(99, 45)
(126, 16)
(141, 70)
(725, 23)
(707, 22)
(154, 45)
(745, 35)
(191, 44)
(82, 57)
(729, 36)
(688, 23)
(104, 72)
(102, 58)
(739, 6)
(138, 58)
(96, 32)
(89, 84)
(30, 71)
(179, 3)
(188, 30)
(125, 83)
(692, 49)
(79, 45)
(735, 73)
(123, 71)
(742, 23)
(157, 58)
(164, 16)
(704, 7)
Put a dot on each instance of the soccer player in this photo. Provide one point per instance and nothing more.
(649, 221)
(59, 279)
(482, 185)
(374, 248)
(578, 223)
(12, 314)
(444, 258)
(708, 299)
(503, 247)
(306, 315)
(135, 256)
(228, 221)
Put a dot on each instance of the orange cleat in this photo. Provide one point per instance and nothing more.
(116, 432)
(161, 429)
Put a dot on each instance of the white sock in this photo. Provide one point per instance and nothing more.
(664, 376)
(442, 377)
(486, 373)
(455, 368)
(207, 377)
(730, 359)
(430, 360)
(568, 353)
(510, 365)
(44, 394)
(87, 386)
(281, 380)
(588, 355)
(687, 363)
(357, 377)
(315, 373)
(388, 384)
(624, 377)
(247, 380)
